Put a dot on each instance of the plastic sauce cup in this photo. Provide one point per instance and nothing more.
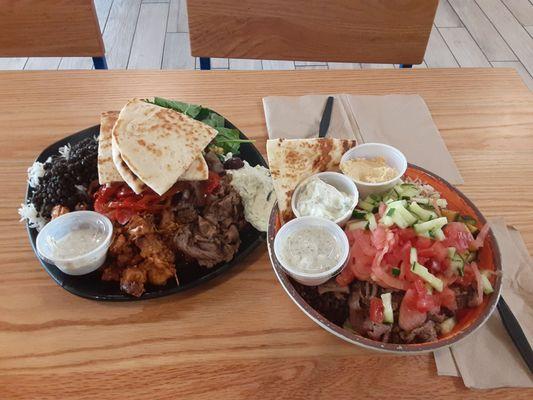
(58, 228)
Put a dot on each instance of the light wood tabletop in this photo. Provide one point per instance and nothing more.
(239, 336)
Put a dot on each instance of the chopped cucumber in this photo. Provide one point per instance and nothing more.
(442, 203)
(390, 212)
(473, 229)
(424, 215)
(469, 256)
(397, 203)
(467, 219)
(449, 214)
(388, 315)
(438, 234)
(487, 286)
(372, 224)
(431, 225)
(406, 215)
(373, 198)
(458, 264)
(425, 234)
(451, 252)
(421, 200)
(359, 214)
(387, 220)
(354, 225)
(407, 190)
(399, 220)
(369, 207)
(423, 272)
(413, 256)
(447, 325)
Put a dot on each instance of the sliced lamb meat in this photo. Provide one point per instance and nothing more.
(214, 163)
(425, 333)
(213, 237)
(461, 296)
(331, 307)
(380, 332)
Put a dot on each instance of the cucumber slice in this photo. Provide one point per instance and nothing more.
(451, 252)
(388, 315)
(487, 286)
(387, 220)
(372, 224)
(407, 190)
(406, 215)
(354, 225)
(458, 265)
(450, 214)
(430, 225)
(369, 207)
(447, 325)
(442, 203)
(399, 220)
(439, 234)
(423, 272)
(424, 215)
(413, 257)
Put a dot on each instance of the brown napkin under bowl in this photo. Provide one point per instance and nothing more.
(402, 121)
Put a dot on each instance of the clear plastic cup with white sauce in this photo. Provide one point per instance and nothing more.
(57, 244)
(291, 228)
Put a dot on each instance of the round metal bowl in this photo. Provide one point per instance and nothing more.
(489, 258)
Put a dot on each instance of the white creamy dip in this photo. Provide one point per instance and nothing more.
(76, 243)
(320, 199)
(254, 185)
(311, 250)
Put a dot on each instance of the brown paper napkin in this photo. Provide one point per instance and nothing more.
(489, 359)
(403, 121)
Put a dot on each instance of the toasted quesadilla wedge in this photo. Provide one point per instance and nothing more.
(107, 172)
(157, 146)
(293, 160)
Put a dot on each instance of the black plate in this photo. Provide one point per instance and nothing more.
(90, 286)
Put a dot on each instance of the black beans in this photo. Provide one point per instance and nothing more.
(58, 185)
(233, 163)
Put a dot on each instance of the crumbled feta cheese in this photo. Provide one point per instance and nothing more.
(35, 172)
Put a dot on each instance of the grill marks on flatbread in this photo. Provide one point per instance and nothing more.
(159, 145)
(293, 160)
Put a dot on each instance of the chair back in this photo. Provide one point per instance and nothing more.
(49, 28)
(369, 31)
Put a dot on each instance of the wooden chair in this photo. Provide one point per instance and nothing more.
(51, 28)
(369, 31)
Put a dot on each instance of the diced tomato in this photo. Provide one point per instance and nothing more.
(410, 318)
(458, 236)
(447, 299)
(406, 234)
(123, 215)
(213, 182)
(434, 266)
(425, 300)
(437, 251)
(376, 310)
(379, 237)
(423, 243)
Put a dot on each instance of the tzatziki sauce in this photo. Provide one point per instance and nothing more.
(311, 250)
(76, 243)
(320, 199)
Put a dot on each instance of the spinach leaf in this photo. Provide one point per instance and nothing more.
(192, 110)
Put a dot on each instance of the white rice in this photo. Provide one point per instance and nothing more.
(29, 213)
(35, 172)
(64, 151)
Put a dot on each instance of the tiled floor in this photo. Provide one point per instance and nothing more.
(153, 34)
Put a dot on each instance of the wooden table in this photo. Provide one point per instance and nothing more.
(239, 336)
